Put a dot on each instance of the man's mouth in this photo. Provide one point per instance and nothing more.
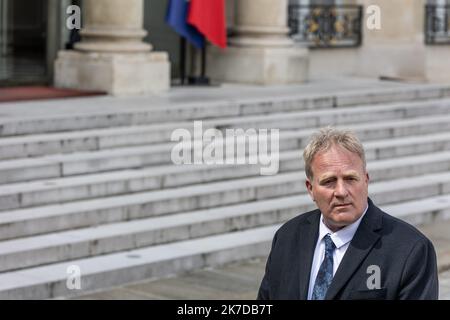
(341, 205)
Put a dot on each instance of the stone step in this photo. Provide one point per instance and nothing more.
(125, 267)
(338, 116)
(73, 244)
(44, 192)
(79, 214)
(117, 117)
(92, 140)
(388, 129)
(56, 166)
(38, 220)
(86, 140)
(374, 96)
(109, 270)
(68, 245)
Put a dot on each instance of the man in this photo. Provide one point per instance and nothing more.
(348, 248)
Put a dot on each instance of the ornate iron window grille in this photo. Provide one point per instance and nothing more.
(326, 26)
(437, 24)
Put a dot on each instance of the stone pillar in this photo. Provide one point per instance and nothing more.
(112, 56)
(260, 52)
(397, 50)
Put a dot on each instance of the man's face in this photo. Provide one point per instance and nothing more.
(339, 186)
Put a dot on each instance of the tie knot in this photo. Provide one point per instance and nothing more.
(329, 244)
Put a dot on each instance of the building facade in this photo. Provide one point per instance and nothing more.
(270, 42)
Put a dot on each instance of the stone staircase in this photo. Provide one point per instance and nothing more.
(99, 190)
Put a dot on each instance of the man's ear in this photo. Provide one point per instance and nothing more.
(367, 177)
(309, 187)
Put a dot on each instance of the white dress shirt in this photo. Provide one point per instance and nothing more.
(341, 240)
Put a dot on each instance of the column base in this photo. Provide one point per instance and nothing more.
(114, 73)
(256, 65)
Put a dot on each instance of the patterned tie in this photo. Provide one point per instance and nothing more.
(325, 274)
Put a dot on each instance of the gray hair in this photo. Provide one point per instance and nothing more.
(325, 139)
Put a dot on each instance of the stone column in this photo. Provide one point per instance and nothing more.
(397, 49)
(112, 56)
(260, 51)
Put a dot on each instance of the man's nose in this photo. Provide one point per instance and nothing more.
(341, 190)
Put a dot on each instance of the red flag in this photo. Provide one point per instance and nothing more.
(208, 16)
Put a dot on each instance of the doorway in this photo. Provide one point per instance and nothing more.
(23, 41)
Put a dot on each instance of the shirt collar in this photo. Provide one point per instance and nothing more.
(342, 236)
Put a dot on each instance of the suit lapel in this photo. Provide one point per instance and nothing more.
(360, 246)
(308, 234)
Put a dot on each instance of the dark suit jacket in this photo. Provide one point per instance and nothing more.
(406, 260)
